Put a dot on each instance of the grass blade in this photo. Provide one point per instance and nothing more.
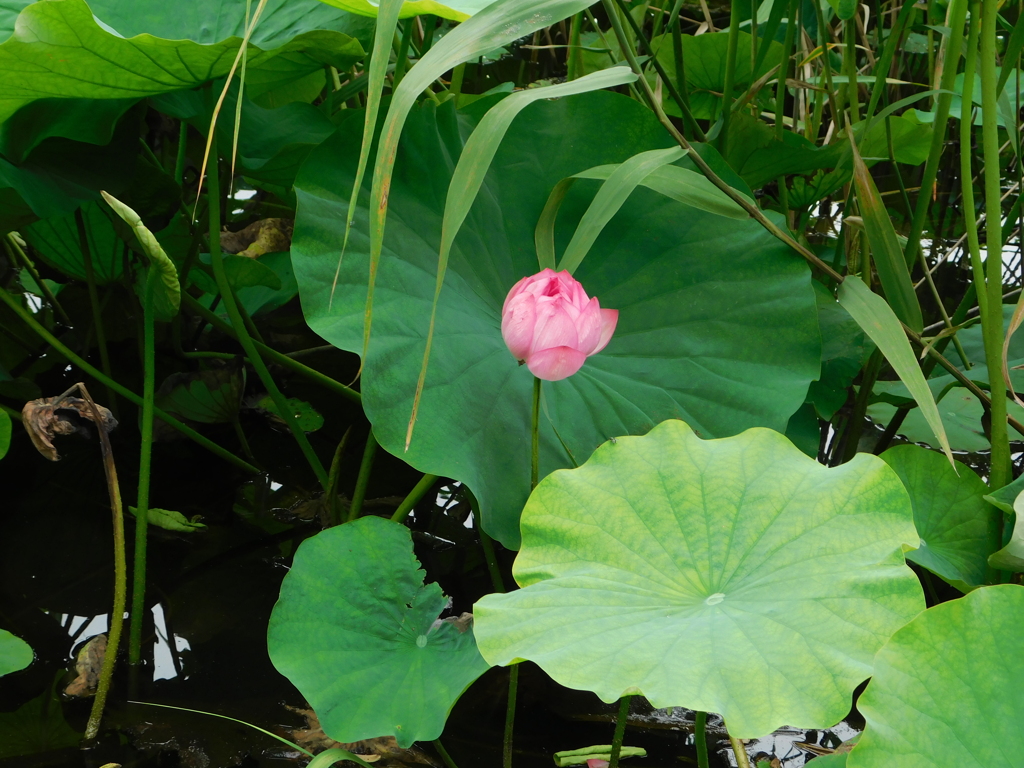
(613, 193)
(885, 247)
(469, 175)
(387, 23)
(880, 323)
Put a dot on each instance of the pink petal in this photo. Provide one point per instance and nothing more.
(595, 762)
(555, 363)
(553, 326)
(517, 289)
(609, 319)
(588, 327)
(518, 321)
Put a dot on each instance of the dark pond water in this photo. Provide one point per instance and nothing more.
(210, 597)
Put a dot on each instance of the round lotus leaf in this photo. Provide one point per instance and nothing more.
(725, 349)
(357, 632)
(15, 653)
(948, 689)
(958, 528)
(735, 576)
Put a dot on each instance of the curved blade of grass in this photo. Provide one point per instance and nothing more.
(880, 323)
(885, 247)
(613, 193)
(249, 22)
(680, 184)
(223, 94)
(157, 257)
(387, 22)
(335, 755)
(495, 26)
(469, 175)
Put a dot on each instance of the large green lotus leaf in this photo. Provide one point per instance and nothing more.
(947, 690)
(209, 397)
(735, 576)
(15, 653)
(456, 10)
(27, 194)
(958, 528)
(357, 631)
(36, 726)
(1009, 500)
(717, 321)
(56, 43)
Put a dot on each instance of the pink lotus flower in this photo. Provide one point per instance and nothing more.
(549, 323)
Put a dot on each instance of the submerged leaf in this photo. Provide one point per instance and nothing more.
(169, 520)
(260, 237)
(209, 397)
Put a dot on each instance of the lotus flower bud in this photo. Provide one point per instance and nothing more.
(549, 323)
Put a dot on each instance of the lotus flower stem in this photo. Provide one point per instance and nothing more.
(700, 738)
(410, 501)
(535, 436)
(620, 731)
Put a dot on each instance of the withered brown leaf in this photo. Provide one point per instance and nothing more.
(48, 417)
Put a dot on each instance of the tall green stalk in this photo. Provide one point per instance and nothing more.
(620, 731)
(363, 478)
(957, 16)
(92, 727)
(730, 76)
(700, 738)
(145, 464)
(238, 323)
(992, 321)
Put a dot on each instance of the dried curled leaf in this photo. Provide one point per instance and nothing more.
(88, 665)
(51, 416)
(260, 237)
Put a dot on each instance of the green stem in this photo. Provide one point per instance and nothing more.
(363, 478)
(574, 60)
(487, 545)
(855, 422)
(242, 439)
(333, 517)
(535, 436)
(850, 65)
(780, 89)
(742, 759)
(94, 303)
(992, 321)
(444, 754)
(620, 731)
(700, 738)
(966, 157)
(510, 716)
(277, 357)
(418, 492)
(145, 464)
(402, 62)
(730, 76)
(217, 262)
(455, 87)
(127, 394)
(92, 728)
(957, 16)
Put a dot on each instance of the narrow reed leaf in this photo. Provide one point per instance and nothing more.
(609, 199)
(469, 175)
(495, 26)
(387, 23)
(885, 247)
(880, 323)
